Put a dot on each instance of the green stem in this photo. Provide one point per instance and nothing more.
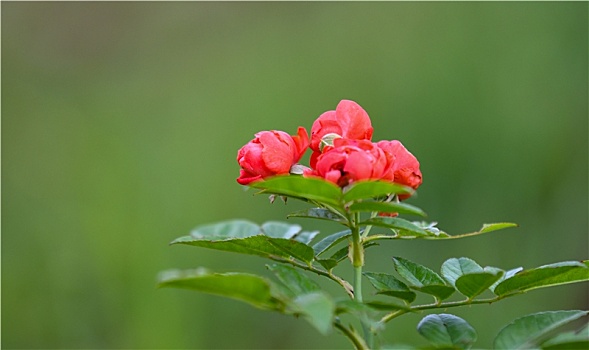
(324, 273)
(398, 313)
(369, 227)
(357, 256)
(358, 342)
(358, 284)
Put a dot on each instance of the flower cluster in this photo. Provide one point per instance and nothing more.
(343, 152)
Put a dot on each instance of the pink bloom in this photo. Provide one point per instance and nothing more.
(350, 160)
(403, 167)
(270, 153)
(348, 120)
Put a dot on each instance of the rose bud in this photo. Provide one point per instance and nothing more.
(403, 167)
(270, 153)
(349, 161)
(348, 121)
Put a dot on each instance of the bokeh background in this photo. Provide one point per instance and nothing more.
(121, 122)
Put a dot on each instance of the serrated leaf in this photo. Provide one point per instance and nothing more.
(318, 213)
(340, 254)
(473, 284)
(313, 189)
(249, 288)
(330, 241)
(334, 259)
(453, 268)
(446, 330)
(417, 275)
(372, 189)
(468, 277)
(422, 278)
(389, 285)
(387, 207)
(226, 229)
(569, 340)
(305, 237)
(544, 276)
(527, 331)
(327, 264)
(277, 229)
(506, 275)
(296, 281)
(439, 291)
(485, 229)
(317, 308)
(260, 245)
(405, 227)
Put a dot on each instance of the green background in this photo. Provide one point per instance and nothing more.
(121, 123)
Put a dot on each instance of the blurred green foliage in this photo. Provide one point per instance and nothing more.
(121, 123)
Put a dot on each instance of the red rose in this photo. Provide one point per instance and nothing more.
(350, 160)
(348, 120)
(270, 153)
(403, 167)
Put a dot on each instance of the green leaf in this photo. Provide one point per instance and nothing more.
(330, 241)
(305, 237)
(251, 289)
(446, 330)
(527, 331)
(417, 275)
(226, 229)
(328, 264)
(485, 229)
(453, 268)
(431, 229)
(439, 291)
(469, 277)
(261, 245)
(350, 306)
(496, 226)
(339, 256)
(387, 207)
(296, 281)
(389, 285)
(364, 312)
(372, 189)
(313, 189)
(318, 213)
(473, 284)
(422, 278)
(277, 229)
(569, 340)
(544, 276)
(506, 275)
(406, 228)
(317, 308)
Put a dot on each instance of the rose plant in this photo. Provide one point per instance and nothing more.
(362, 185)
